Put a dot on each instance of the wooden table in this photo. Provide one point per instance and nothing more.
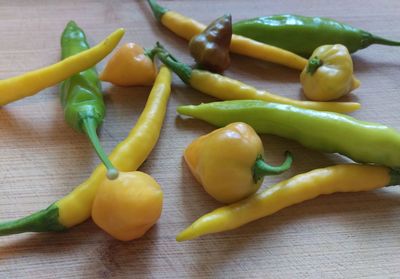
(42, 159)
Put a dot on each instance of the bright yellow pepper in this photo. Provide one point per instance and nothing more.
(28, 84)
(329, 74)
(228, 162)
(128, 206)
(130, 66)
(302, 187)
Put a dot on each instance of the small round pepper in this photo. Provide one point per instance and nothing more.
(228, 162)
(131, 65)
(128, 206)
(328, 74)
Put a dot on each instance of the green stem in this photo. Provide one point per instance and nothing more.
(313, 64)
(181, 69)
(158, 10)
(89, 126)
(383, 41)
(261, 168)
(41, 221)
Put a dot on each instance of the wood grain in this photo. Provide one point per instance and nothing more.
(42, 159)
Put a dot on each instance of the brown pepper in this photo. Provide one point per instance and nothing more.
(210, 49)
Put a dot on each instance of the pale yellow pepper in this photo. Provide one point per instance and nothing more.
(329, 74)
(28, 84)
(228, 162)
(127, 207)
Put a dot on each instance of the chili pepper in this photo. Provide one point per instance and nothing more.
(329, 74)
(329, 132)
(28, 84)
(302, 187)
(76, 207)
(302, 34)
(210, 49)
(225, 88)
(81, 95)
(187, 28)
(131, 65)
(229, 162)
(129, 206)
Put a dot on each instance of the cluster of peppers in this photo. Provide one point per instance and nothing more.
(229, 162)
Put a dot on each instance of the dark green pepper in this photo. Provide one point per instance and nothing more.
(81, 95)
(323, 131)
(302, 35)
(210, 49)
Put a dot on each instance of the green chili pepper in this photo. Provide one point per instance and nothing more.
(302, 35)
(323, 131)
(81, 95)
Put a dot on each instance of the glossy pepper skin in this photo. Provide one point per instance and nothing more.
(302, 34)
(127, 156)
(30, 83)
(329, 74)
(187, 28)
(229, 162)
(126, 208)
(302, 187)
(131, 65)
(225, 88)
(210, 49)
(81, 95)
(328, 132)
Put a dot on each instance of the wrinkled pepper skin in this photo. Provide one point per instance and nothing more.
(130, 66)
(328, 132)
(81, 95)
(329, 74)
(225, 88)
(229, 162)
(127, 156)
(126, 208)
(187, 28)
(30, 83)
(302, 35)
(300, 188)
(210, 49)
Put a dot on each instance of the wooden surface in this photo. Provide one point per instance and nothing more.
(42, 159)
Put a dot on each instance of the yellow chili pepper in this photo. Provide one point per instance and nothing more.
(76, 207)
(128, 206)
(329, 74)
(131, 65)
(229, 163)
(226, 88)
(187, 28)
(302, 187)
(28, 84)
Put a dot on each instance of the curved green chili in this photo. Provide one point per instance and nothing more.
(81, 95)
(323, 131)
(302, 34)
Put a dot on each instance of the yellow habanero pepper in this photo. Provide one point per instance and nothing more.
(302, 187)
(329, 74)
(131, 65)
(28, 84)
(128, 206)
(127, 156)
(229, 164)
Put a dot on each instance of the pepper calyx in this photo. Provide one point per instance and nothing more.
(157, 10)
(261, 168)
(313, 64)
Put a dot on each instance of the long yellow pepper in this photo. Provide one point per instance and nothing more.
(187, 28)
(302, 187)
(76, 207)
(28, 84)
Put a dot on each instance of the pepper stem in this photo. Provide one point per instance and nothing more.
(157, 10)
(261, 168)
(181, 69)
(313, 64)
(89, 126)
(383, 41)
